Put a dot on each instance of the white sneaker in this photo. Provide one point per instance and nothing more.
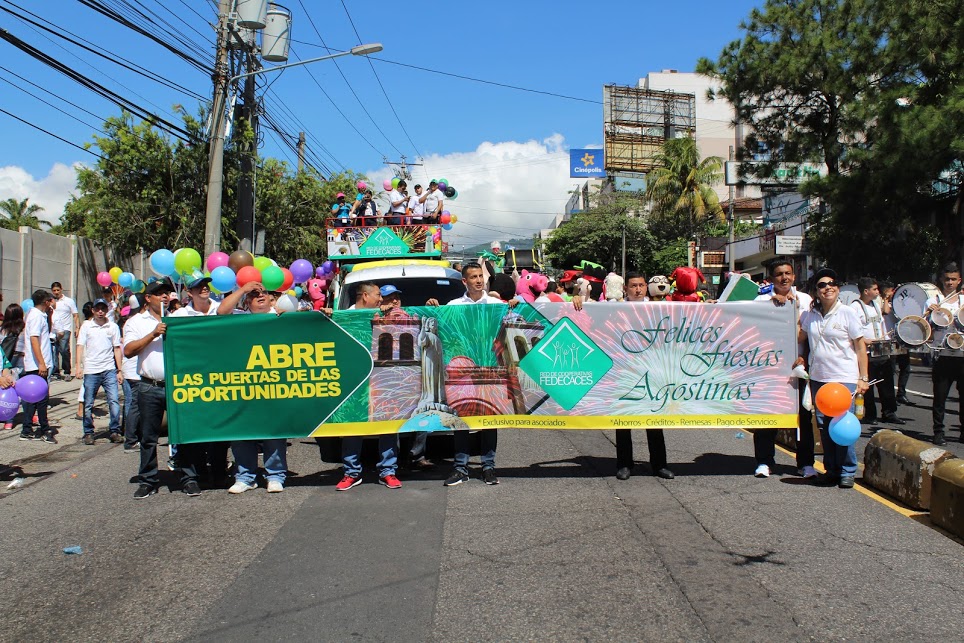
(241, 487)
(762, 471)
(275, 486)
(809, 472)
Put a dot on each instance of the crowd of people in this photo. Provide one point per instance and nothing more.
(424, 206)
(120, 347)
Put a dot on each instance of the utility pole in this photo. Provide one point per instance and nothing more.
(212, 216)
(731, 222)
(244, 227)
(402, 169)
(301, 152)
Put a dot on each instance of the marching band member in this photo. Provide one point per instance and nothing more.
(879, 367)
(947, 369)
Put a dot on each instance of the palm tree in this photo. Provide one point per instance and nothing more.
(18, 213)
(680, 190)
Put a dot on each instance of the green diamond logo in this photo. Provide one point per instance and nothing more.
(383, 243)
(566, 364)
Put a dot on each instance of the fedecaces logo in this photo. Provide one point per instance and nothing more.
(566, 364)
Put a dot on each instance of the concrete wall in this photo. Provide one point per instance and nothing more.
(31, 259)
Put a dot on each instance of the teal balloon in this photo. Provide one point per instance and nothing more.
(298, 291)
(138, 286)
(845, 430)
(125, 280)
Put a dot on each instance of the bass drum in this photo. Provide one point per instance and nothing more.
(848, 294)
(911, 298)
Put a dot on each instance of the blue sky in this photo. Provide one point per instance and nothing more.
(504, 149)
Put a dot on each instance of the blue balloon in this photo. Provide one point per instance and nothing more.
(446, 226)
(125, 280)
(845, 430)
(26, 304)
(224, 279)
(162, 262)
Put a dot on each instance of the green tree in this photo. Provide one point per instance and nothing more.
(598, 237)
(18, 213)
(680, 190)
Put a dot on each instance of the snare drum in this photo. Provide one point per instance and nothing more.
(954, 341)
(913, 330)
(911, 299)
(942, 317)
(882, 349)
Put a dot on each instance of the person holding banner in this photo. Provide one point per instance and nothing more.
(838, 353)
(145, 339)
(368, 296)
(947, 369)
(764, 440)
(635, 291)
(255, 301)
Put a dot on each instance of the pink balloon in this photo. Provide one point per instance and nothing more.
(387, 184)
(104, 279)
(216, 260)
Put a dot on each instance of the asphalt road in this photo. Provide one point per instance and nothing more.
(560, 550)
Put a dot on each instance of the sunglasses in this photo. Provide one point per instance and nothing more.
(254, 294)
(826, 284)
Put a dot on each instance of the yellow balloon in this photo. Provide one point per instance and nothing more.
(453, 219)
(115, 273)
(290, 292)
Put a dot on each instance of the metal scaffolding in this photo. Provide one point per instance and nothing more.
(636, 123)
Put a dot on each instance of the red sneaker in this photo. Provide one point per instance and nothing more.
(347, 483)
(390, 481)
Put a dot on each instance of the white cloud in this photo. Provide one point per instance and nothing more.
(51, 192)
(507, 190)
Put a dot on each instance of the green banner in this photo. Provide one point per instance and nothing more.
(447, 368)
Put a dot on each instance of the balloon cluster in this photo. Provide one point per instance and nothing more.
(29, 388)
(117, 278)
(833, 400)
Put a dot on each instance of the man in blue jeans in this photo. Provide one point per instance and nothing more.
(99, 362)
(64, 325)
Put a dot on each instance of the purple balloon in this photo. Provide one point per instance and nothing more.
(319, 272)
(9, 403)
(32, 388)
(327, 267)
(302, 270)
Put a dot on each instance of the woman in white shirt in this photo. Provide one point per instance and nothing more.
(838, 353)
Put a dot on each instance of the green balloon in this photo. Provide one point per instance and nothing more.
(187, 260)
(272, 277)
(261, 263)
(395, 182)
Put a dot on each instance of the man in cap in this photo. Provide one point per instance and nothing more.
(416, 207)
(145, 339)
(432, 202)
(368, 296)
(391, 299)
(341, 210)
(99, 363)
(200, 305)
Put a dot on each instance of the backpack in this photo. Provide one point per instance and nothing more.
(8, 345)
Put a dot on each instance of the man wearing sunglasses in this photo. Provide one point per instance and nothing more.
(838, 353)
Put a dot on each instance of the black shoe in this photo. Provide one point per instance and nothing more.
(29, 437)
(457, 477)
(191, 488)
(902, 399)
(623, 473)
(846, 482)
(48, 438)
(116, 438)
(869, 421)
(489, 477)
(939, 438)
(827, 480)
(664, 473)
(144, 490)
(893, 419)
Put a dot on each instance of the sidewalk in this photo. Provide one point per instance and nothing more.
(61, 414)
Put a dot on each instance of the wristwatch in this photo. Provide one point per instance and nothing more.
(863, 379)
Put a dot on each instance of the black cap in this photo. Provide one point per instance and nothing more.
(159, 286)
(825, 272)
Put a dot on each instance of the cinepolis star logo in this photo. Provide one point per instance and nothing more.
(588, 159)
(566, 364)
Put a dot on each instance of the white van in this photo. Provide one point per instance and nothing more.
(419, 280)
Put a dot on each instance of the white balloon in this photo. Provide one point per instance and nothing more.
(286, 303)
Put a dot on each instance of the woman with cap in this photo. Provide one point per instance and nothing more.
(341, 210)
(838, 353)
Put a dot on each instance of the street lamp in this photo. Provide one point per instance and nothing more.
(212, 220)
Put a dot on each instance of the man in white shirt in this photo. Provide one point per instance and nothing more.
(99, 363)
(474, 280)
(947, 369)
(764, 440)
(881, 367)
(398, 201)
(37, 360)
(65, 322)
(200, 304)
(416, 207)
(131, 381)
(432, 201)
(145, 340)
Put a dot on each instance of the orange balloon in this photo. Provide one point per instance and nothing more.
(833, 399)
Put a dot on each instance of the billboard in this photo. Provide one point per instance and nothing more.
(586, 164)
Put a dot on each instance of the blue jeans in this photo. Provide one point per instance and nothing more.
(275, 459)
(490, 439)
(387, 447)
(839, 461)
(61, 350)
(93, 381)
(132, 413)
(40, 408)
